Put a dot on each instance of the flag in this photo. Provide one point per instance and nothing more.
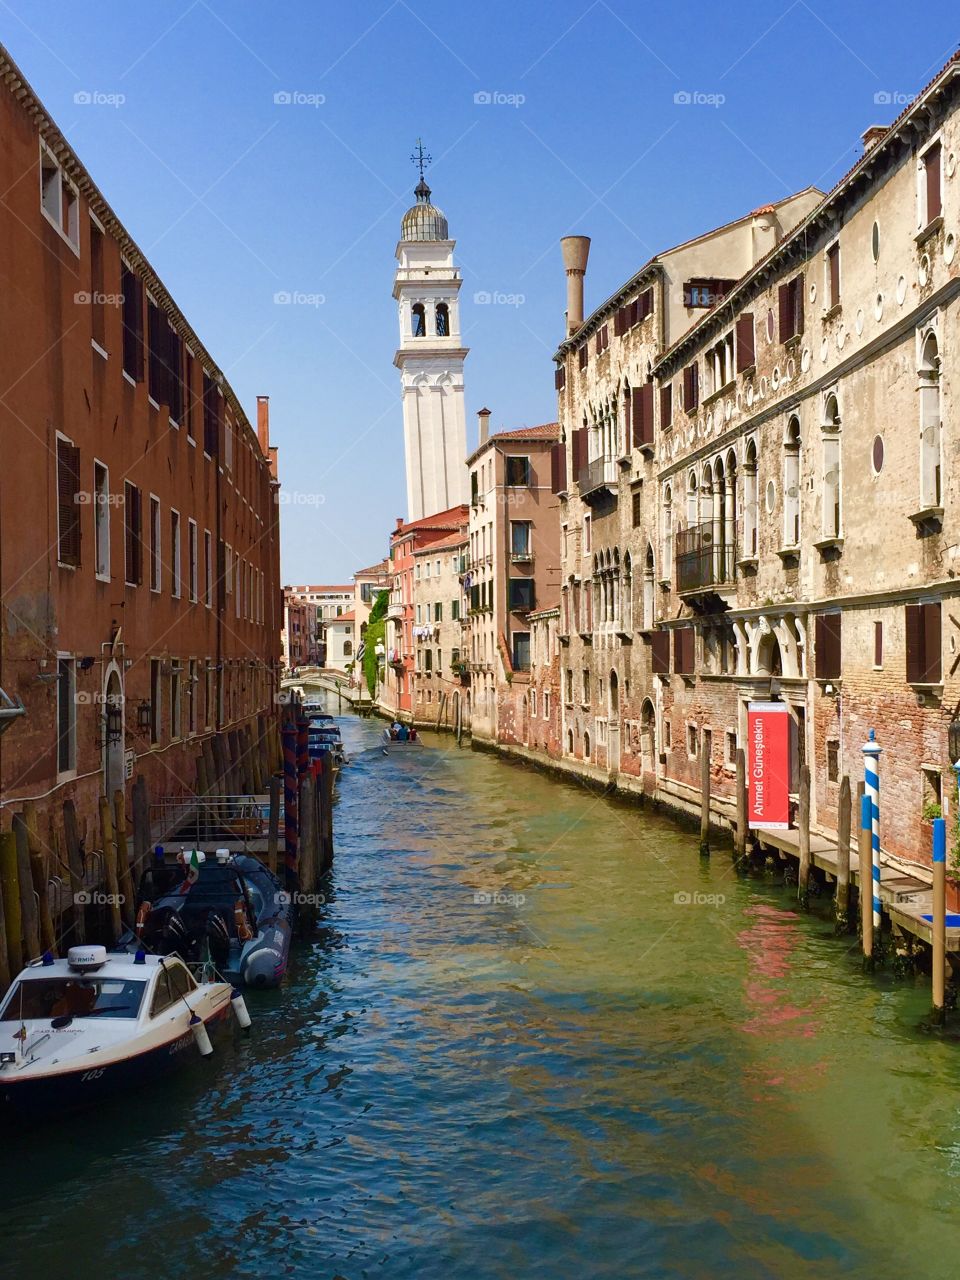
(193, 872)
(361, 650)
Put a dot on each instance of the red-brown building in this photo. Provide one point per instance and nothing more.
(139, 540)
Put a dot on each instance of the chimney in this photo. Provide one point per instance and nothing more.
(872, 136)
(575, 250)
(263, 424)
(483, 426)
(273, 463)
(399, 522)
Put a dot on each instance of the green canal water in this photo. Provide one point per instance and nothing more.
(533, 1036)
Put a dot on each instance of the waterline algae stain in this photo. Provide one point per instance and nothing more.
(534, 1035)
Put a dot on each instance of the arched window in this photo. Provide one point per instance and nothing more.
(649, 594)
(931, 492)
(586, 746)
(667, 531)
(750, 501)
(347, 648)
(569, 742)
(614, 694)
(791, 483)
(830, 495)
(419, 320)
(443, 320)
(627, 619)
(692, 505)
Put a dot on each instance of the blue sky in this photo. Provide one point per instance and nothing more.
(236, 197)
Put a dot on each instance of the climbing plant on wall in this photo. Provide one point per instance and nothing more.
(376, 628)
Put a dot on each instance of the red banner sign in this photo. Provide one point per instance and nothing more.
(768, 765)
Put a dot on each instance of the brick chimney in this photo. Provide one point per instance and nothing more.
(263, 424)
(483, 426)
(872, 136)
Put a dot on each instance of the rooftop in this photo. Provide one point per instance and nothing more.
(543, 431)
(458, 539)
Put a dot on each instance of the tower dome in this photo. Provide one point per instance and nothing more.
(424, 221)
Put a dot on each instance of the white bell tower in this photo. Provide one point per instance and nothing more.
(430, 359)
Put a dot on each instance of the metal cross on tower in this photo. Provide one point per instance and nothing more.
(420, 157)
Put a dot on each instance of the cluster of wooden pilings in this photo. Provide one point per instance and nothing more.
(66, 882)
(307, 805)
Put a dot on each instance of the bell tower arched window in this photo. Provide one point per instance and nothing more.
(443, 320)
(418, 317)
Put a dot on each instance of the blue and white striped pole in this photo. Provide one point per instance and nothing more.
(871, 789)
(939, 912)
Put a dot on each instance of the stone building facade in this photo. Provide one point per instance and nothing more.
(513, 561)
(439, 611)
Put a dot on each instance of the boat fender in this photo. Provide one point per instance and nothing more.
(142, 916)
(241, 924)
(239, 1007)
(201, 1035)
(260, 967)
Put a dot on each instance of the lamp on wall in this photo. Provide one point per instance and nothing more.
(144, 716)
(113, 717)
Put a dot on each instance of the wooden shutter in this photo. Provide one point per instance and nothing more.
(833, 267)
(643, 415)
(660, 653)
(827, 640)
(932, 671)
(691, 388)
(645, 304)
(132, 320)
(797, 290)
(931, 167)
(785, 307)
(746, 346)
(599, 341)
(628, 415)
(558, 467)
(133, 534)
(618, 322)
(666, 406)
(560, 377)
(913, 616)
(683, 642)
(878, 644)
(583, 355)
(68, 507)
(579, 450)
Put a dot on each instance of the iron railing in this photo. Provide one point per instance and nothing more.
(701, 562)
(598, 474)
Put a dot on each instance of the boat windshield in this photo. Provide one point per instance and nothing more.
(74, 997)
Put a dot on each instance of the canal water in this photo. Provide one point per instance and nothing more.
(533, 1036)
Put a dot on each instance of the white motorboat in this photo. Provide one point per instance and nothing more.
(78, 1030)
(400, 739)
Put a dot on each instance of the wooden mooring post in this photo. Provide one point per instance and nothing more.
(939, 931)
(4, 948)
(28, 901)
(865, 852)
(273, 828)
(128, 904)
(705, 795)
(803, 832)
(38, 870)
(9, 886)
(111, 878)
(741, 836)
(71, 839)
(842, 901)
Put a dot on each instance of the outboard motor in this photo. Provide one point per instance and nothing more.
(218, 939)
(164, 932)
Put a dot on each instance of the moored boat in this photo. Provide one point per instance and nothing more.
(230, 911)
(399, 737)
(75, 1031)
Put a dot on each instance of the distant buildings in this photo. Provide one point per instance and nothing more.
(307, 611)
(139, 543)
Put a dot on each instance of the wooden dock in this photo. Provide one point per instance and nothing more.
(906, 892)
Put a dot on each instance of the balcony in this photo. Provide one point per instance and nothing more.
(702, 565)
(395, 612)
(598, 478)
(521, 557)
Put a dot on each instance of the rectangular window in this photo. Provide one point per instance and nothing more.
(155, 538)
(546, 704)
(518, 472)
(932, 793)
(923, 624)
(586, 686)
(207, 568)
(68, 503)
(730, 754)
(192, 560)
(667, 735)
(568, 686)
(520, 531)
(520, 595)
(827, 640)
(101, 519)
(521, 650)
(586, 535)
(833, 760)
(176, 708)
(455, 610)
(693, 741)
(878, 645)
(931, 204)
(583, 355)
(131, 290)
(691, 387)
(97, 288)
(154, 357)
(192, 682)
(637, 502)
(132, 535)
(790, 297)
(66, 715)
(745, 342)
(212, 416)
(188, 394)
(833, 275)
(660, 653)
(208, 697)
(533, 702)
(438, 612)
(59, 199)
(156, 712)
(175, 554)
